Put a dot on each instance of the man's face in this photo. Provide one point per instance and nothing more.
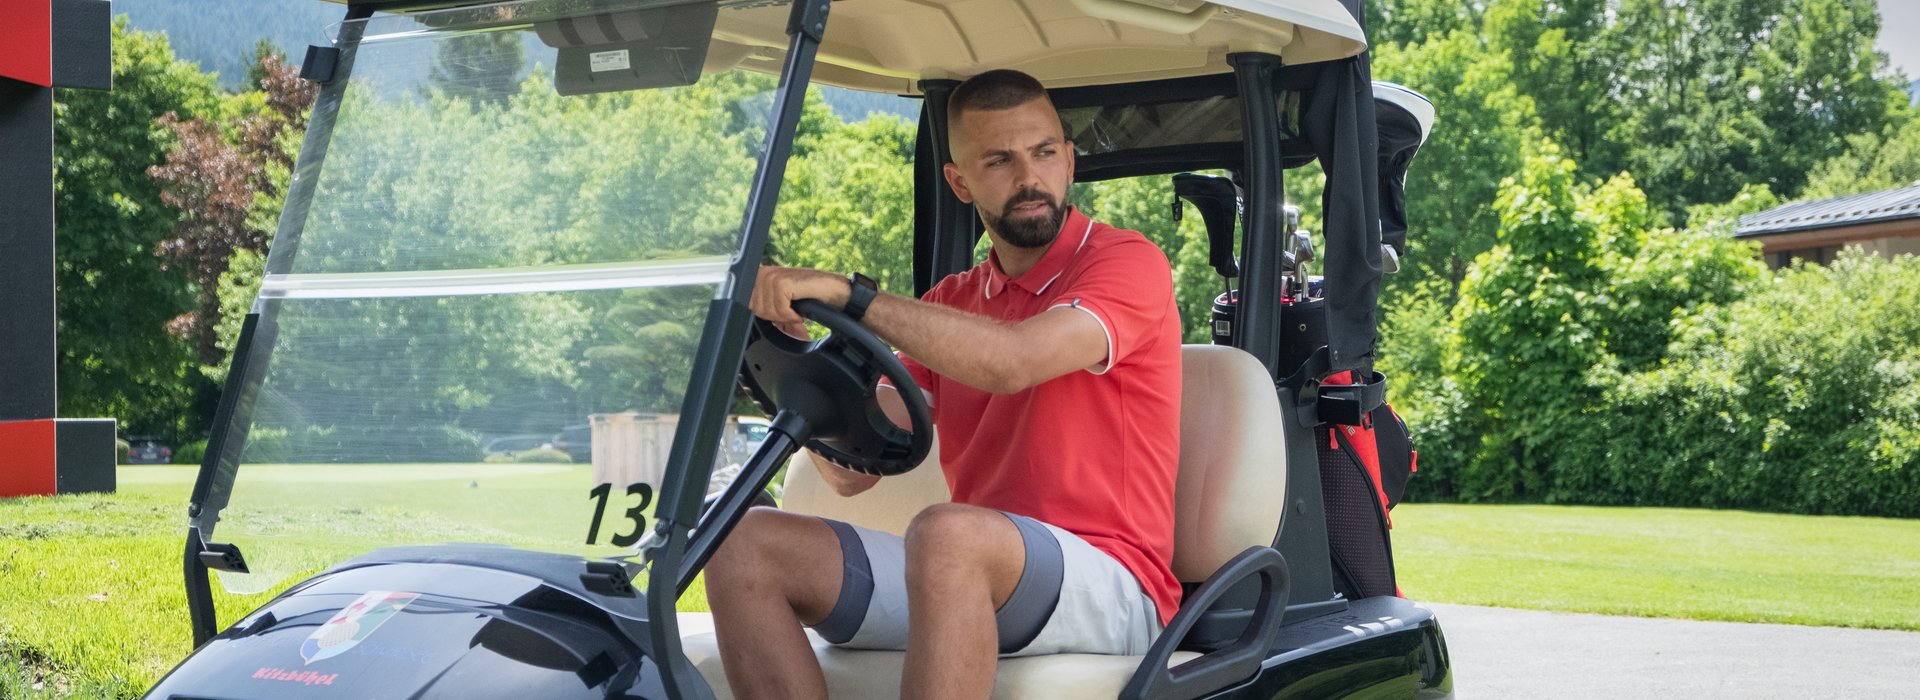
(1014, 166)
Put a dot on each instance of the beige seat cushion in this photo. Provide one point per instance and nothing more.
(886, 507)
(861, 674)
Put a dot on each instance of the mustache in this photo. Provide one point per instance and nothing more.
(1024, 196)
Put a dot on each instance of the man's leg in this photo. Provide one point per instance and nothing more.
(775, 572)
(963, 562)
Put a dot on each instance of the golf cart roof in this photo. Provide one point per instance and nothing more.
(890, 45)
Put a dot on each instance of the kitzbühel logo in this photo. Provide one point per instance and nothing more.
(353, 624)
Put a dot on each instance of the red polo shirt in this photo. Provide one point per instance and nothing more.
(1093, 452)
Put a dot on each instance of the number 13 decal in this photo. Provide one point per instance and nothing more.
(636, 514)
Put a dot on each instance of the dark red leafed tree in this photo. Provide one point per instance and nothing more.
(214, 173)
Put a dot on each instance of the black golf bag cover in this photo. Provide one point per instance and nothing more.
(1364, 470)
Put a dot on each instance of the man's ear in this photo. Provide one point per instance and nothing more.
(958, 182)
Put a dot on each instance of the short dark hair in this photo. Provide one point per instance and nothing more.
(992, 90)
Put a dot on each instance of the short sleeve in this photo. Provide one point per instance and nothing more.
(1128, 288)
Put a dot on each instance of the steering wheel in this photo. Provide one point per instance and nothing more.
(831, 383)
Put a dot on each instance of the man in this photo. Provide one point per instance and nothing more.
(1054, 374)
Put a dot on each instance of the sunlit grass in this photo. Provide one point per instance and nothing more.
(91, 601)
(1662, 562)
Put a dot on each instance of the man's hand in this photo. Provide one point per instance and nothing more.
(843, 480)
(778, 287)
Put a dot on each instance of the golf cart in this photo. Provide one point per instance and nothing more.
(540, 211)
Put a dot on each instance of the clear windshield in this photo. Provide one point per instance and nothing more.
(481, 326)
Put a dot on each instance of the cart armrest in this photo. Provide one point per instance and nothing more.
(1233, 663)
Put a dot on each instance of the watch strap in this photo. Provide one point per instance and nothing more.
(860, 296)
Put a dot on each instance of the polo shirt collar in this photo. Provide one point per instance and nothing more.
(1075, 229)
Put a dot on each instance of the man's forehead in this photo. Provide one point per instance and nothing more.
(1025, 126)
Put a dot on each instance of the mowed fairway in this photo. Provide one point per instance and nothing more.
(1662, 562)
(90, 586)
(91, 605)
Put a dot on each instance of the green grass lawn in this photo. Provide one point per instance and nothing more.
(1663, 562)
(91, 604)
(91, 601)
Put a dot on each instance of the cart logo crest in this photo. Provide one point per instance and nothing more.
(353, 623)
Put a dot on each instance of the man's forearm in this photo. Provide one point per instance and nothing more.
(974, 350)
(977, 351)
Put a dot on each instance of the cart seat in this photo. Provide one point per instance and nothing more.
(1229, 496)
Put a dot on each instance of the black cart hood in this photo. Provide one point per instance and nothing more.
(385, 629)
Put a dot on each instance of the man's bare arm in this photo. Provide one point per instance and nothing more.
(977, 351)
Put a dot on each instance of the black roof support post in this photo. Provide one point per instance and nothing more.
(45, 44)
(945, 229)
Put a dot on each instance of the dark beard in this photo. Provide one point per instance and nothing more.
(1036, 232)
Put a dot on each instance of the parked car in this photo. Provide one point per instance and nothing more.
(511, 445)
(576, 441)
(148, 450)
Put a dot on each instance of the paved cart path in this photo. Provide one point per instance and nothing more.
(1504, 653)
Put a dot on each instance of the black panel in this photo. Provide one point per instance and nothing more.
(83, 44)
(84, 452)
(26, 267)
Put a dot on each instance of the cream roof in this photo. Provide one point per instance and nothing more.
(888, 45)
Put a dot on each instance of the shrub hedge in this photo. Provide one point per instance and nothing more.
(1590, 358)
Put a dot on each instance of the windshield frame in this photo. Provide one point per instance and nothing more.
(710, 388)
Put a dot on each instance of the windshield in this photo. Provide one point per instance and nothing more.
(479, 316)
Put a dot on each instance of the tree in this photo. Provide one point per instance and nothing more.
(1719, 94)
(116, 297)
(219, 173)
(1551, 47)
(1485, 126)
(479, 67)
(1525, 336)
(848, 205)
(1404, 22)
(1874, 160)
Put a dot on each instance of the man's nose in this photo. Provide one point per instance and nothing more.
(1027, 174)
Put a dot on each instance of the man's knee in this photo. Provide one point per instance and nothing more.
(776, 553)
(745, 551)
(961, 536)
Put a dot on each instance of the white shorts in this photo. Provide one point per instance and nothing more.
(1071, 598)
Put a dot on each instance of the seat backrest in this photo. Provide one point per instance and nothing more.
(1232, 488)
(1232, 484)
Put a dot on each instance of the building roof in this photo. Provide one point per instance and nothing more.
(1872, 207)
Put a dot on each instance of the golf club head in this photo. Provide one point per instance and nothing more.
(1404, 118)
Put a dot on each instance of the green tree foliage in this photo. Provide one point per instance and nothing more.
(1415, 21)
(1874, 160)
(1525, 336)
(226, 175)
(1485, 127)
(1653, 276)
(481, 67)
(848, 206)
(1801, 398)
(1720, 94)
(1697, 99)
(116, 297)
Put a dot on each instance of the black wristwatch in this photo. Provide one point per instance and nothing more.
(860, 296)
